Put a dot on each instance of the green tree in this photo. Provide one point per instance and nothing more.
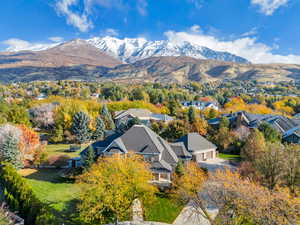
(58, 135)
(100, 129)
(89, 158)
(109, 122)
(270, 134)
(192, 115)
(173, 107)
(18, 115)
(179, 169)
(224, 122)
(255, 145)
(10, 151)
(175, 130)
(80, 127)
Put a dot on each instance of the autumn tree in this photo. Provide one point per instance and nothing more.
(270, 164)
(291, 176)
(241, 201)
(110, 187)
(188, 184)
(80, 127)
(200, 126)
(224, 138)
(254, 146)
(29, 142)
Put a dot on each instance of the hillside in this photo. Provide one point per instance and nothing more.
(67, 54)
(79, 60)
(182, 69)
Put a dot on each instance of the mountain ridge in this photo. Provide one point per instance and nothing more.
(130, 50)
(80, 60)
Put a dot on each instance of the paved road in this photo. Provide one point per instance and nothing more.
(214, 164)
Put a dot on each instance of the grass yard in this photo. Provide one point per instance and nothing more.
(229, 157)
(62, 194)
(55, 191)
(163, 209)
(61, 149)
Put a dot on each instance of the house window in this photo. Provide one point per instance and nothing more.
(156, 176)
(164, 176)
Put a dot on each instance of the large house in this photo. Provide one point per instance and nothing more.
(200, 148)
(201, 105)
(162, 156)
(144, 115)
(289, 128)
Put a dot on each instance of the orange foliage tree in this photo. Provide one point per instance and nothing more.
(29, 143)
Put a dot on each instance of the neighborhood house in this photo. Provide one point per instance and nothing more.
(144, 115)
(162, 156)
(201, 105)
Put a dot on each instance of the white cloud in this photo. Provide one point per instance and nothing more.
(247, 47)
(80, 21)
(15, 44)
(195, 28)
(251, 32)
(268, 7)
(56, 39)
(110, 32)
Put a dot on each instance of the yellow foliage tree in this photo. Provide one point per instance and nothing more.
(111, 185)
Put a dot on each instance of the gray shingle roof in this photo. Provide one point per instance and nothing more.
(195, 142)
(133, 112)
(180, 150)
(142, 140)
(158, 165)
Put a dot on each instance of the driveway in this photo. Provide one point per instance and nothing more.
(217, 163)
(189, 216)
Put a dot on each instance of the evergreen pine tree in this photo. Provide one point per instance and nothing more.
(100, 129)
(80, 127)
(10, 151)
(110, 125)
(89, 158)
(179, 169)
(192, 114)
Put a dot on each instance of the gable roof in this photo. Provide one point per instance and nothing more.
(195, 142)
(180, 150)
(142, 140)
(133, 113)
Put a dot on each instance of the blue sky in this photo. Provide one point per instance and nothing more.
(261, 30)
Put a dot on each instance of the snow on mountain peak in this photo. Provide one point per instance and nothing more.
(130, 50)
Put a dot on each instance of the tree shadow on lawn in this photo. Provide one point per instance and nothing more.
(49, 175)
(69, 215)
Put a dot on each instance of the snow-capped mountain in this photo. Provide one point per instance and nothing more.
(130, 50)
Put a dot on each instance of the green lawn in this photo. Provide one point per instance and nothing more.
(229, 156)
(61, 149)
(62, 195)
(163, 209)
(59, 193)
